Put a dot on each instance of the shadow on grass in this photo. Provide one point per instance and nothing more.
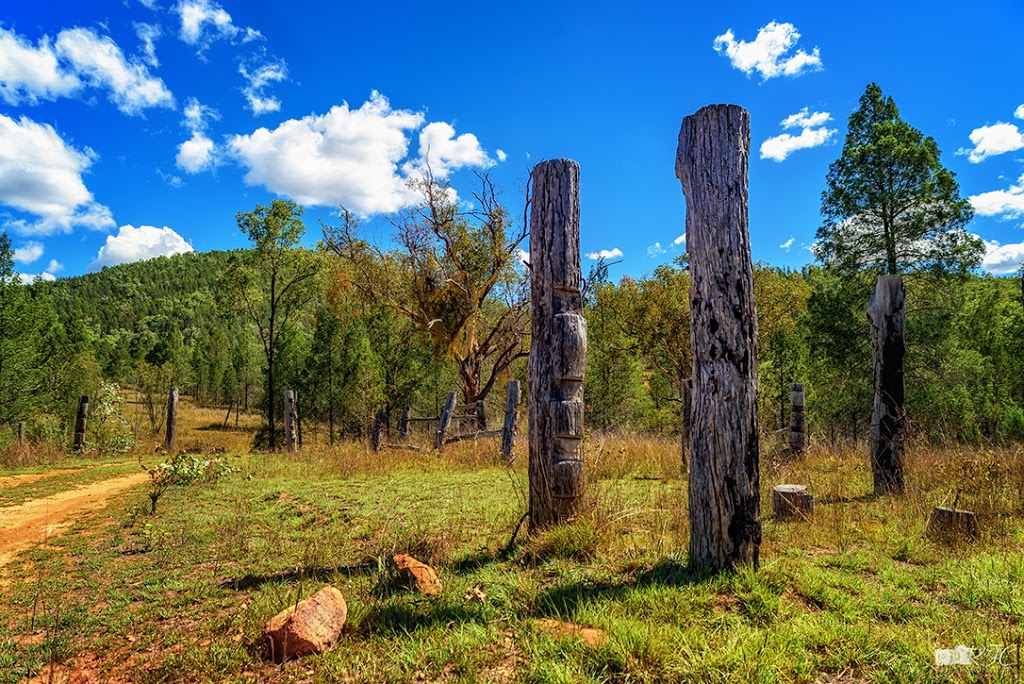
(863, 498)
(251, 581)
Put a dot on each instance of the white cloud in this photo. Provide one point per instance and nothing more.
(681, 240)
(138, 244)
(787, 244)
(195, 154)
(1008, 203)
(1001, 259)
(655, 250)
(523, 255)
(78, 57)
(1019, 112)
(502, 156)
(28, 252)
(52, 269)
(443, 152)
(769, 53)
(30, 74)
(356, 158)
(991, 140)
(148, 34)
(813, 135)
(203, 22)
(42, 175)
(258, 78)
(613, 253)
(54, 266)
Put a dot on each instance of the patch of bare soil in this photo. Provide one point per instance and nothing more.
(24, 478)
(37, 520)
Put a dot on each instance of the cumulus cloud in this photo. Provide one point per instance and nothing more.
(443, 151)
(502, 156)
(681, 240)
(770, 53)
(138, 244)
(148, 34)
(41, 175)
(990, 141)
(258, 75)
(813, 134)
(523, 255)
(1007, 203)
(787, 244)
(1019, 112)
(613, 253)
(52, 269)
(203, 22)
(1002, 259)
(78, 58)
(198, 153)
(28, 252)
(351, 157)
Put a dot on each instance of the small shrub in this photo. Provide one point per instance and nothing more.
(185, 469)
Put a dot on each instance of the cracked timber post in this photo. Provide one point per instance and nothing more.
(888, 420)
(724, 497)
(80, 422)
(171, 435)
(558, 345)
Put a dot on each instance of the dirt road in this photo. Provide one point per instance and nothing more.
(39, 519)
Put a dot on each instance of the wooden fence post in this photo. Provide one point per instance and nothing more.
(231, 405)
(888, 419)
(380, 422)
(21, 435)
(80, 422)
(558, 345)
(797, 420)
(445, 421)
(403, 425)
(172, 420)
(508, 431)
(289, 420)
(724, 497)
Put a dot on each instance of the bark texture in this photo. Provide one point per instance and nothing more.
(888, 419)
(724, 497)
(558, 345)
(686, 398)
(508, 432)
(797, 420)
(952, 524)
(290, 421)
(80, 422)
(171, 435)
(791, 502)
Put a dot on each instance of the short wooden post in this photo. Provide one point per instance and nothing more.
(797, 420)
(952, 524)
(791, 502)
(481, 415)
(686, 399)
(289, 421)
(445, 421)
(80, 422)
(380, 422)
(724, 497)
(888, 419)
(558, 345)
(403, 425)
(21, 435)
(172, 420)
(508, 430)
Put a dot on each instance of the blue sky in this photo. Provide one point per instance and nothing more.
(135, 128)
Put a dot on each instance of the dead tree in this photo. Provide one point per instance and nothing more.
(888, 419)
(172, 420)
(290, 421)
(797, 420)
(724, 497)
(558, 345)
(80, 422)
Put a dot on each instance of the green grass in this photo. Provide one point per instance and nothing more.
(855, 594)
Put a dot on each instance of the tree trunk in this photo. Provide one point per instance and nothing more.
(797, 420)
(888, 419)
(686, 399)
(172, 420)
(558, 345)
(724, 497)
(290, 420)
(80, 422)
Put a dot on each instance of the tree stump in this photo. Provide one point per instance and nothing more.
(171, 435)
(290, 420)
(80, 422)
(724, 498)
(951, 524)
(797, 420)
(888, 419)
(791, 502)
(508, 431)
(558, 345)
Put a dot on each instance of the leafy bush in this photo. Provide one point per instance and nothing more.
(185, 469)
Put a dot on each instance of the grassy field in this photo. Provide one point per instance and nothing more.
(855, 594)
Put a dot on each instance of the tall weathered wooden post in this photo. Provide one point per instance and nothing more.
(724, 497)
(558, 344)
(797, 420)
(172, 420)
(508, 431)
(888, 419)
(21, 435)
(80, 421)
(290, 420)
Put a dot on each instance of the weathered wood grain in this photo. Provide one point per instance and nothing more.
(886, 318)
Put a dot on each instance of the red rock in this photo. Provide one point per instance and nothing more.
(420, 576)
(310, 627)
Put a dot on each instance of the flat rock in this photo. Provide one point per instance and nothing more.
(568, 630)
(311, 626)
(419, 576)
